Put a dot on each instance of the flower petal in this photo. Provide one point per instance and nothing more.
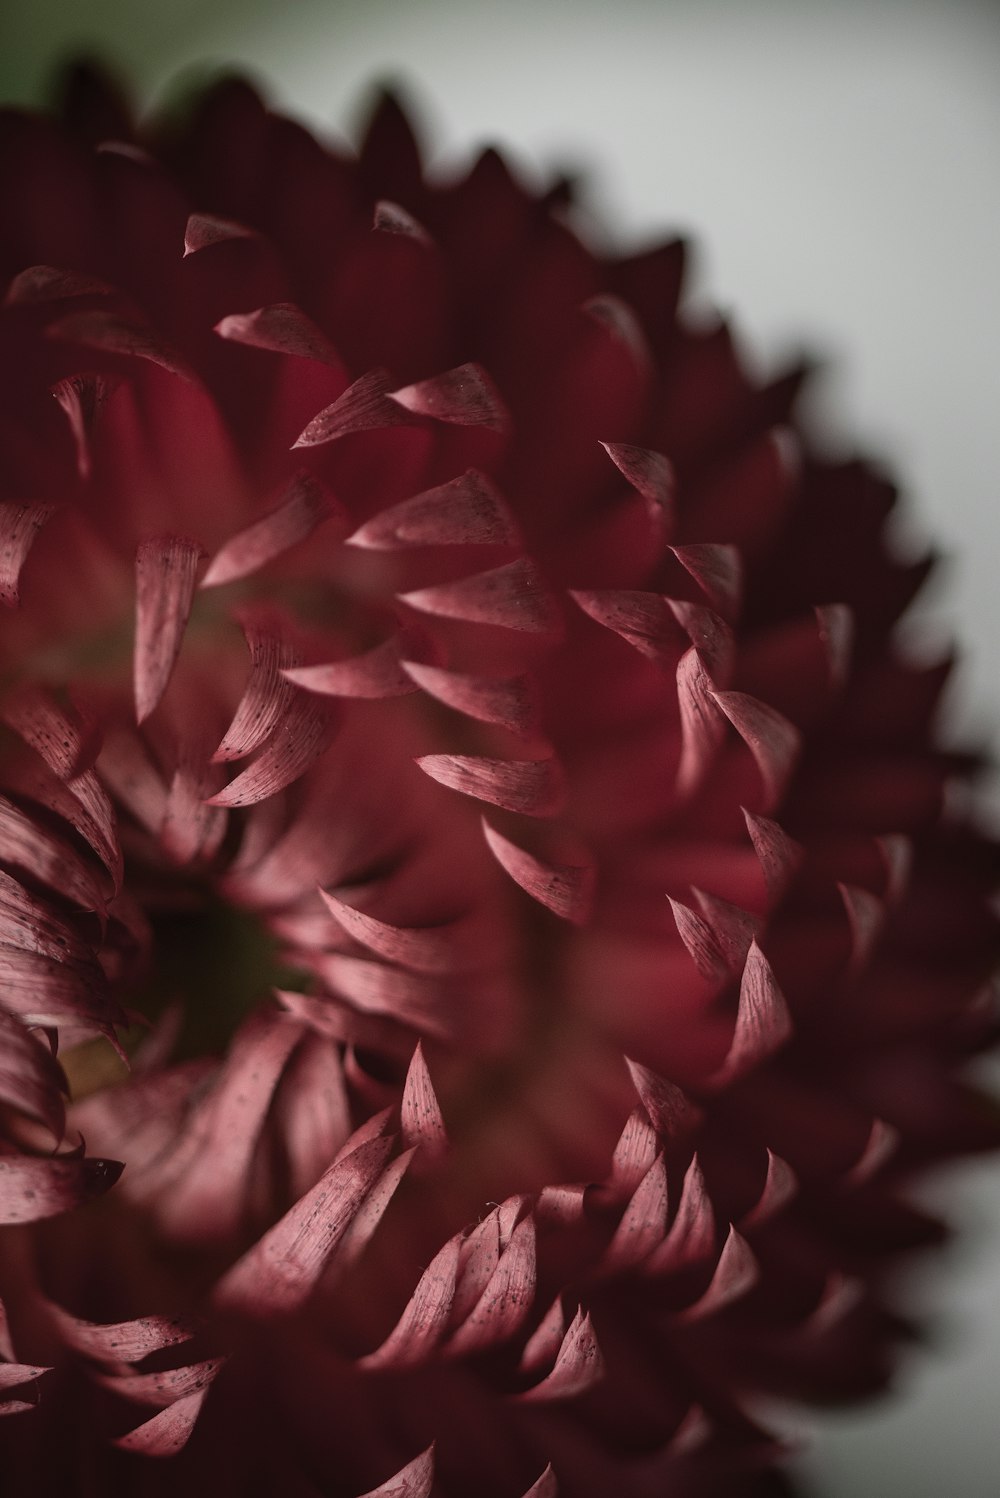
(506, 1300)
(510, 701)
(168, 1431)
(301, 736)
(466, 396)
(763, 1022)
(377, 673)
(305, 505)
(364, 406)
(565, 889)
(420, 1112)
(31, 1189)
(19, 525)
(467, 511)
(535, 787)
(513, 596)
(415, 1480)
(422, 1325)
(165, 570)
(282, 328)
(578, 1366)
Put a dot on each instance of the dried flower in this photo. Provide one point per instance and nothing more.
(435, 672)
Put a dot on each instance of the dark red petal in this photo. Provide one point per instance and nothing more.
(280, 1271)
(206, 229)
(390, 218)
(692, 1233)
(19, 525)
(282, 328)
(465, 396)
(302, 735)
(512, 597)
(305, 505)
(415, 1480)
(31, 1189)
(114, 334)
(363, 407)
(83, 398)
(763, 1022)
(467, 511)
(774, 742)
(718, 571)
(545, 1486)
(165, 571)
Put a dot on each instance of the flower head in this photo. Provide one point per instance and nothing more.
(470, 846)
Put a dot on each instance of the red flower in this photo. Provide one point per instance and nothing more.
(435, 672)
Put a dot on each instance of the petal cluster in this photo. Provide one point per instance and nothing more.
(486, 937)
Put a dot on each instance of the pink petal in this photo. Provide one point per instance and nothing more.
(578, 1365)
(504, 1304)
(191, 829)
(692, 1232)
(545, 1486)
(634, 1153)
(375, 674)
(19, 525)
(206, 229)
(699, 939)
(510, 597)
(773, 741)
(465, 396)
(709, 634)
(644, 620)
(278, 1274)
(120, 1341)
(47, 993)
(372, 1209)
(168, 1431)
(542, 1347)
(535, 787)
(165, 570)
(732, 927)
(282, 328)
(565, 889)
(778, 854)
(422, 1325)
(114, 334)
(467, 511)
(83, 397)
(763, 1022)
(304, 505)
(31, 1189)
(643, 1224)
(50, 859)
(426, 949)
(649, 473)
(415, 1480)
(46, 283)
(12, 1374)
(301, 737)
(880, 1146)
(374, 988)
(670, 1110)
(312, 1110)
(478, 1260)
(390, 218)
(510, 702)
(421, 1121)
(718, 571)
(164, 1387)
(267, 695)
(364, 406)
(736, 1273)
(702, 723)
(865, 916)
(780, 1186)
(31, 1080)
(836, 629)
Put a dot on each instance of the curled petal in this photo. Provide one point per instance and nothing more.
(736, 1273)
(634, 1153)
(649, 473)
(301, 736)
(120, 1341)
(510, 701)
(865, 916)
(880, 1146)
(390, 218)
(718, 571)
(31, 1189)
(363, 407)
(565, 889)
(506, 1300)
(465, 396)
(668, 1107)
(422, 1325)
(773, 741)
(165, 572)
(702, 723)
(643, 1223)
(168, 1431)
(643, 619)
(415, 1480)
(39, 284)
(763, 1022)
(305, 505)
(578, 1366)
(206, 229)
(692, 1233)
(31, 1080)
(12, 1374)
(778, 854)
(420, 1112)
(114, 334)
(535, 787)
(376, 673)
(19, 525)
(280, 1271)
(510, 597)
(780, 1185)
(267, 695)
(165, 1386)
(545, 1486)
(282, 328)
(83, 398)
(426, 949)
(699, 939)
(467, 511)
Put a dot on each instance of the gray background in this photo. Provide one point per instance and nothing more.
(838, 165)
